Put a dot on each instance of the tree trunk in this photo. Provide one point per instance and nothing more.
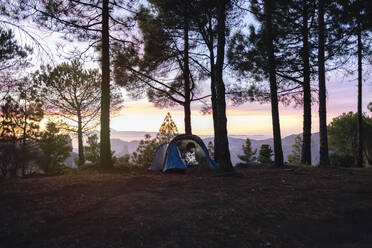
(187, 119)
(186, 77)
(24, 129)
(324, 157)
(222, 152)
(105, 149)
(360, 113)
(306, 139)
(213, 83)
(80, 140)
(278, 151)
(214, 99)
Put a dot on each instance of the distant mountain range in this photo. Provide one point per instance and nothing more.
(126, 142)
(138, 135)
(127, 147)
(236, 145)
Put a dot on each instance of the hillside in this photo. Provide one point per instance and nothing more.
(299, 207)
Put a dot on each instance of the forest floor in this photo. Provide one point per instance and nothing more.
(260, 207)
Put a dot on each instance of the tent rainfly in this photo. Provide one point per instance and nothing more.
(168, 155)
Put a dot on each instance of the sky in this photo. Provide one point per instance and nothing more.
(249, 118)
(246, 119)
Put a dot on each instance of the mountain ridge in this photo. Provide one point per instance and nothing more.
(122, 147)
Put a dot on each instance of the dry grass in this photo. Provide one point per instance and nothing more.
(301, 207)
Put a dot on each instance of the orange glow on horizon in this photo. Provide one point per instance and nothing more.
(143, 116)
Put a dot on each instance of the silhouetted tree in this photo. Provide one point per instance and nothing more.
(92, 150)
(55, 146)
(92, 22)
(305, 54)
(74, 93)
(221, 142)
(145, 151)
(21, 114)
(265, 154)
(324, 157)
(13, 59)
(356, 15)
(254, 56)
(295, 156)
(167, 131)
(168, 69)
(343, 139)
(334, 43)
(205, 19)
(278, 152)
(248, 154)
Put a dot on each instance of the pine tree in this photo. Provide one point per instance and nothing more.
(221, 140)
(360, 21)
(145, 152)
(323, 151)
(169, 69)
(90, 21)
(295, 156)
(248, 155)
(167, 130)
(72, 92)
(21, 114)
(13, 59)
(55, 146)
(269, 40)
(93, 148)
(265, 154)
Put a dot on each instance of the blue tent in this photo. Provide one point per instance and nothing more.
(168, 155)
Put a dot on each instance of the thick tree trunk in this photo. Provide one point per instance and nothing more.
(214, 98)
(278, 151)
(186, 77)
(105, 150)
(80, 141)
(360, 113)
(213, 83)
(222, 152)
(324, 157)
(24, 135)
(306, 139)
(187, 120)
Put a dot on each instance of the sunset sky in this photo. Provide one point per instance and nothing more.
(246, 119)
(249, 118)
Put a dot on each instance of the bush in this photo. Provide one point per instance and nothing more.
(341, 160)
(123, 161)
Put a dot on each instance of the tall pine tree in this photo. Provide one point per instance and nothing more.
(89, 21)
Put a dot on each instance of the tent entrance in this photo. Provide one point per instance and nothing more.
(170, 156)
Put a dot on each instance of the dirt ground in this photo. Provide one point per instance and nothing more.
(301, 207)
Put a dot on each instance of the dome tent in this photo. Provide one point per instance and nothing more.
(168, 155)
